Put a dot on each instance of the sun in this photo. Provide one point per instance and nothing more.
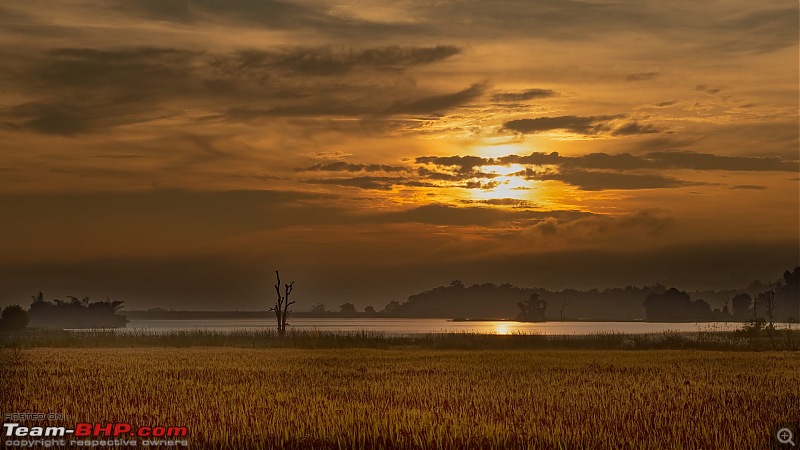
(506, 181)
(501, 146)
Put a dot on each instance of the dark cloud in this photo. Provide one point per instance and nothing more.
(665, 104)
(441, 214)
(51, 118)
(576, 124)
(550, 19)
(536, 158)
(528, 94)
(367, 109)
(464, 164)
(598, 181)
(749, 186)
(624, 161)
(512, 202)
(344, 108)
(310, 61)
(704, 30)
(460, 175)
(436, 175)
(86, 90)
(477, 184)
(60, 118)
(633, 128)
(650, 222)
(273, 14)
(708, 161)
(758, 32)
(340, 166)
(438, 103)
(116, 74)
(426, 179)
(707, 89)
(374, 183)
(642, 76)
(605, 161)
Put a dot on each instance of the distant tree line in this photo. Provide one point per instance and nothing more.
(506, 301)
(778, 302)
(345, 310)
(75, 313)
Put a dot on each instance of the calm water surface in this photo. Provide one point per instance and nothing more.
(413, 326)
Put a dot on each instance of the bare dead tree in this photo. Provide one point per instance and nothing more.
(755, 307)
(769, 303)
(281, 307)
(563, 307)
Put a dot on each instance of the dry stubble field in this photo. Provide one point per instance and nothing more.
(367, 398)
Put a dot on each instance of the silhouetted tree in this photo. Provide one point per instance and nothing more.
(741, 306)
(675, 306)
(726, 312)
(369, 310)
(76, 313)
(319, 308)
(787, 296)
(768, 299)
(755, 307)
(532, 310)
(392, 307)
(13, 319)
(348, 309)
(281, 307)
(564, 305)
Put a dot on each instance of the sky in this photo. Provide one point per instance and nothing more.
(177, 153)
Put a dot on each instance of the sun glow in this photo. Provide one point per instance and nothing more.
(502, 328)
(505, 182)
(500, 150)
(503, 170)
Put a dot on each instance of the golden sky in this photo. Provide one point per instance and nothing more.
(175, 153)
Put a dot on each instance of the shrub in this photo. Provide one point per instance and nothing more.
(13, 319)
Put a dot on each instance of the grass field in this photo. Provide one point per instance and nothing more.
(779, 339)
(371, 398)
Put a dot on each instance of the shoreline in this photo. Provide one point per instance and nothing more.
(236, 315)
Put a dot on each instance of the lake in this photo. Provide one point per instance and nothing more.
(416, 326)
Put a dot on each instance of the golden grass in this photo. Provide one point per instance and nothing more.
(368, 398)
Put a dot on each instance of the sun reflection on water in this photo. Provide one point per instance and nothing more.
(502, 328)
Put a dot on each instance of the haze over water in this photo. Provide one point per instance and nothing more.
(415, 326)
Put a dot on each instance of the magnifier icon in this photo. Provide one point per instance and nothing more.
(785, 436)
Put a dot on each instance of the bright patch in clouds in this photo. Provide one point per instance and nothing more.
(510, 183)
